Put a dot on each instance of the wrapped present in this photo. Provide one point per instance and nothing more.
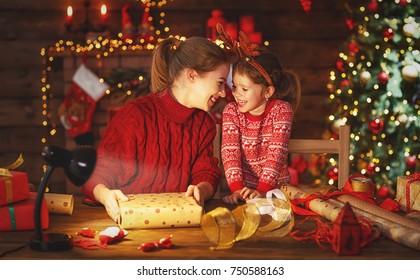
(20, 215)
(408, 192)
(14, 185)
(165, 210)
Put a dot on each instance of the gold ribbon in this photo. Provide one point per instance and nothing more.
(221, 225)
(6, 176)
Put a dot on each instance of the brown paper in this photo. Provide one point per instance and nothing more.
(393, 229)
(402, 191)
(59, 203)
(163, 210)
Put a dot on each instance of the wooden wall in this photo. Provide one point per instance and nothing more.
(306, 43)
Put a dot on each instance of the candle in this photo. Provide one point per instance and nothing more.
(255, 37)
(246, 24)
(69, 17)
(104, 15)
(232, 29)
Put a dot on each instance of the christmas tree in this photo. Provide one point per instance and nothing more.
(375, 89)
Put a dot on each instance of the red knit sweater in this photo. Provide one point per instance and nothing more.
(156, 145)
(255, 148)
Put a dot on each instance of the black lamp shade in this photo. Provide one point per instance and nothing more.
(78, 164)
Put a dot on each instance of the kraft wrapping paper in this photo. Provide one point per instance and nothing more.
(59, 203)
(414, 194)
(393, 227)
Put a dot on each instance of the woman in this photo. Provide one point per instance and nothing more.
(163, 142)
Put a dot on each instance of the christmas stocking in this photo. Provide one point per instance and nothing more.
(79, 104)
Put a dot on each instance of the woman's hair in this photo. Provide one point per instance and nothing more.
(172, 56)
(286, 82)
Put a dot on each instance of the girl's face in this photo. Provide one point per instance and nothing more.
(249, 96)
(208, 87)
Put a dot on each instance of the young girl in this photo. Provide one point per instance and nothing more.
(257, 126)
(163, 142)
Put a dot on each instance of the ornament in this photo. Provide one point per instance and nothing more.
(333, 173)
(340, 65)
(365, 77)
(306, 5)
(410, 162)
(345, 83)
(383, 192)
(353, 47)
(410, 73)
(372, 6)
(370, 169)
(403, 119)
(350, 23)
(383, 78)
(335, 126)
(409, 29)
(376, 125)
(403, 3)
(389, 33)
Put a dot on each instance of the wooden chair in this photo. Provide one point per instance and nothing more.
(341, 147)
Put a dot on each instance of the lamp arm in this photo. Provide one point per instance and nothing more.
(38, 202)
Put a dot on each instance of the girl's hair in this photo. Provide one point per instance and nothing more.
(172, 56)
(286, 82)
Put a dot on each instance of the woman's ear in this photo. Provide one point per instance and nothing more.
(191, 74)
(269, 91)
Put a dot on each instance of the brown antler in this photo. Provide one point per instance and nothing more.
(244, 49)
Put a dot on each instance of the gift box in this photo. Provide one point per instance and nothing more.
(165, 210)
(20, 215)
(408, 192)
(14, 187)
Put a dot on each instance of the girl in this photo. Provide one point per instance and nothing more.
(257, 126)
(163, 142)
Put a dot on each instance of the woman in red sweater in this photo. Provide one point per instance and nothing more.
(163, 142)
(256, 127)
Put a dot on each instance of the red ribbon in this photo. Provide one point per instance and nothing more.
(412, 178)
(347, 190)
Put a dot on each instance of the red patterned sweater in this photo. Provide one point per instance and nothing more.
(156, 145)
(255, 148)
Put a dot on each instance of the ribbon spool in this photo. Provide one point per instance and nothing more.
(221, 225)
(361, 184)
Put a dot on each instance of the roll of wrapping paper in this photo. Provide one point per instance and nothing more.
(59, 203)
(330, 209)
(378, 211)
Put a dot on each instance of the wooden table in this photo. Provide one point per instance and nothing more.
(189, 243)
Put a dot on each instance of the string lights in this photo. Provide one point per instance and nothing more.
(99, 47)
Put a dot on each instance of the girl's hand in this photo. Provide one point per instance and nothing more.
(248, 193)
(234, 198)
(109, 199)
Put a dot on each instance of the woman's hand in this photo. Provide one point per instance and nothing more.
(233, 198)
(201, 192)
(109, 199)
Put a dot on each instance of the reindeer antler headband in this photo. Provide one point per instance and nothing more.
(244, 49)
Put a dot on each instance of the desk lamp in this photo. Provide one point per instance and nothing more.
(78, 165)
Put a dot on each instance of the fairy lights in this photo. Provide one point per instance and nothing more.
(99, 48)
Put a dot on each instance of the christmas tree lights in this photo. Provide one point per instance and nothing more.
(375, 89)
